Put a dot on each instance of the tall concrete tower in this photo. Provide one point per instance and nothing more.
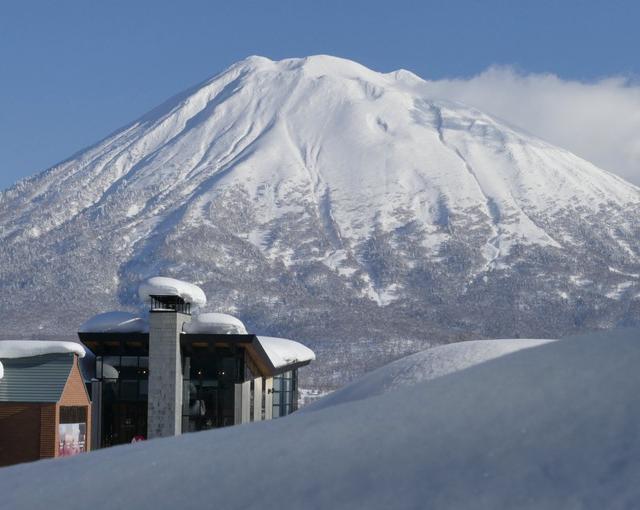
(167, 317)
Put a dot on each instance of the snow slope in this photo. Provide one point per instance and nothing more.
(554, 426)
(423, 366)
(310, 192)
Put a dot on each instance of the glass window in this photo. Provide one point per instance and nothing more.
(128, 390)
(114, 361)
(129, 367)
(143, 388)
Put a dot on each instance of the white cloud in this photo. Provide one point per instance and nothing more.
(599, 121)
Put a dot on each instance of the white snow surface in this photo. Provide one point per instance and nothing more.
(115, 322)
(164, 286)
(423, 366)
(28, 348)
(553, 426)
(282, 352)
(216, 323)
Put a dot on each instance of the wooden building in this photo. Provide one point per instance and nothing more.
(45, 409)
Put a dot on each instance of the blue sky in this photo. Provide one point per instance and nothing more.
(71, 72)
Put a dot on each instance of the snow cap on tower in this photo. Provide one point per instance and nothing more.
(164, 287)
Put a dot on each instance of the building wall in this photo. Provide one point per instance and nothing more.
(268, 398)
(48, 431)
(28, 432)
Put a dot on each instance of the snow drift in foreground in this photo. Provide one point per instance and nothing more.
(554, 426)
(423, 366)
(27, 348)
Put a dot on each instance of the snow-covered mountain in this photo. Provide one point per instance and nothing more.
(548, 427)
(318, 199)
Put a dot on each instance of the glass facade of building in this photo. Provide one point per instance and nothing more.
(210, 376)
(125, 383)
(209, 387)
(285, 393)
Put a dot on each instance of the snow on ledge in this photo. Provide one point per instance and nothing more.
(283, 352)
(215, 323)
(28, 348)
(115, 322)
(164, 286)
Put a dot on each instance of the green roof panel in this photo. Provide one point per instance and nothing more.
(36, 378)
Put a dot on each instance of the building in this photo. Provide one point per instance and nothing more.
(45, 409)
(176, 372)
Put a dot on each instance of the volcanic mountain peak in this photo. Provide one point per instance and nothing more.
(305, 187)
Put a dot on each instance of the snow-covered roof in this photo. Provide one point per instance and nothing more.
(215, 323)
(164, 286)
(27, 348)
(115, 322)
(283, 352)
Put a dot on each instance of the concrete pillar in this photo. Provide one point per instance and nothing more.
(268, 398)
(242, 403)
(96, 414)
(164, 411)
(257, 399)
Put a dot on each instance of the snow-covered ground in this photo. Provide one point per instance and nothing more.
(549, 427)
(423, 366)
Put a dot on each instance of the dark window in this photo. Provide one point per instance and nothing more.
(73, 414)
